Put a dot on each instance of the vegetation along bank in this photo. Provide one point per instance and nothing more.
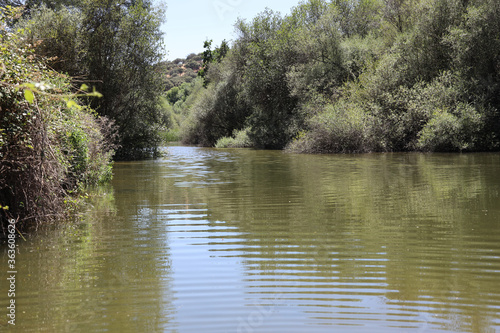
(348, 76)
(79, 87)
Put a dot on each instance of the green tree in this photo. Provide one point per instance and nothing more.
(358, 76)
(219, 109)
(399, 13)
(212, 56)
(115, 45)
(30, 6)
(267, 53)
(123, 43)
(58, 38)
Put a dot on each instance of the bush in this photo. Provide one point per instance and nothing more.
(174, 94)
(452, 130)
(49, 146)
(340, 128)
(217, 112)
(170, 135)
(239, 139)
(58, 36)
(192, 64)
(176, 71)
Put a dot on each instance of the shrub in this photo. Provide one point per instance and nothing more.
(176, 71)
(340, 128)
(217, 112)
(49, 146)
(192, 64)
(452, 130)
(170, 135)
(58, 33)
(239, 139)
(174, 94)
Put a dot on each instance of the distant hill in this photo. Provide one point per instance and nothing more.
(180, 70)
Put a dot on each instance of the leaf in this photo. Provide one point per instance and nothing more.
(96, 93)
(71, 103)
(84, 87)
(28, 94)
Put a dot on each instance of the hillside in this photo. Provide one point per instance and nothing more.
(179, 70)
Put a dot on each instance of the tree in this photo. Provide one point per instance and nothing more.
(57, 34)
(29, 5)
(210, 57)
(398, 13)
(123, 42)
(319, 65)
(114, 45)
(360, 75)
(266, 54)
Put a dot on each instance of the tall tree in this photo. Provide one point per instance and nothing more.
(113, 45)
(265, 46)
(123, 43)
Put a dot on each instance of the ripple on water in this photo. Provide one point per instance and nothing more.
(209, 240)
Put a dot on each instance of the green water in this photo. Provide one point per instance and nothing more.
(211, 240)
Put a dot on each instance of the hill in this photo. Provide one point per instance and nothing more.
(180, 70)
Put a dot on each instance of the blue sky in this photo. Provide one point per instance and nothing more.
(190, 22)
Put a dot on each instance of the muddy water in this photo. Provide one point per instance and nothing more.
(211, 240)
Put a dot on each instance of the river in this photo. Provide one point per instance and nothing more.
(208, 240)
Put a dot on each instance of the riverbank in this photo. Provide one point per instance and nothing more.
(52, 146)
(417, 76)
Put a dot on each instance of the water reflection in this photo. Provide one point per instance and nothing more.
(109, 272)
(376, 241)
(211, 240)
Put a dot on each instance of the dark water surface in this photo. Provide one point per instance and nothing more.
(211, 240)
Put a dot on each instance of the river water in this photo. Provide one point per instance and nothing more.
(208, 240)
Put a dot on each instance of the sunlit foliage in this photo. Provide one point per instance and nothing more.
(51, 146)
(360, 76)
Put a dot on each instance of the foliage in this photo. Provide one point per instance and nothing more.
(180, 71)
(170, 135)
(56, 34)
(343, 127)
(210, 57)
(217, 112)
(175, 106)
(267, 56)
(50, 146)
(30, 6)
(122, 44)
(360, 76)
(116, 45)
(240, 139)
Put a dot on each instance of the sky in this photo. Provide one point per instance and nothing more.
(190, 22)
